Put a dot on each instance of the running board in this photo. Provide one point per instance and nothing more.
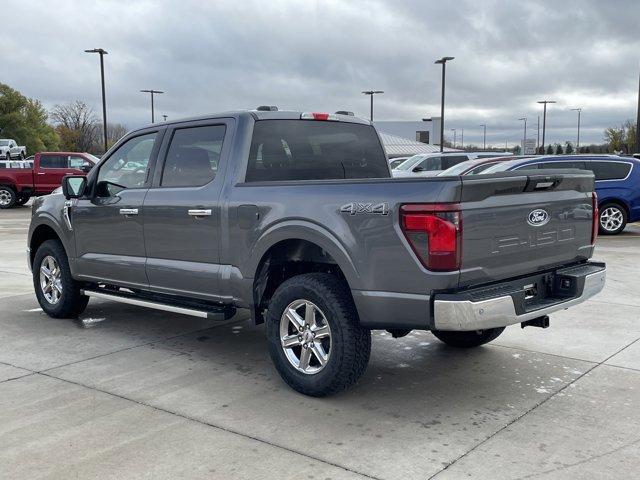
(205, 311)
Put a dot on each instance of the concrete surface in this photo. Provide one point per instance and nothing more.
(132, 393)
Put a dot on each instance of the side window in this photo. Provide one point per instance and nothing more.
(193, 156)
(531, 166)
(53, 161)
(451, 160)
(76, 162)
(609, 170)
(430, 164)
(127, 166)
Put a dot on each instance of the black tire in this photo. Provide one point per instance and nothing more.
(621, 216)
(22, 156)
(8, 156)
(350, 343)
(71, 302)
(468, 339)
(21, 200)
(8, 197)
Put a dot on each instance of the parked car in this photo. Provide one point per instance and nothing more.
(294, 216)
(617, 184)
(10, 149)
(430, 164)
(475, 166)
(21, 180)
(394, 162)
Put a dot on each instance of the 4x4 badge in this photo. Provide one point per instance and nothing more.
(357, 208)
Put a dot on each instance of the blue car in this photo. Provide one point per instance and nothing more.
(617, 183)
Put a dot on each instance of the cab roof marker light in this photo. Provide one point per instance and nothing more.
(318, 116)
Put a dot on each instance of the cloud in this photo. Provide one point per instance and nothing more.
(306, 55)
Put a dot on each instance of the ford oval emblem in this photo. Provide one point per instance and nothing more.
(538, 217)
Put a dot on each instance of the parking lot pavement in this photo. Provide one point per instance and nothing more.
(126, 392)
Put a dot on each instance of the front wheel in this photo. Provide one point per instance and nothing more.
(468, 339)
(22, 200)
(314, 334)
(8, 156)
(57, 292)
(613, 219)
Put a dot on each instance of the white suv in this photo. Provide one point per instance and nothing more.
(430, 164)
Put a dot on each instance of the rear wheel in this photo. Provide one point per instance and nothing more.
(8, 197)
(57, 292)
(468, 339)
(613, 219)
(314, 334)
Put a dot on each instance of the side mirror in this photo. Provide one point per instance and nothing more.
(73, 186)
(417, 169)
(86, 167)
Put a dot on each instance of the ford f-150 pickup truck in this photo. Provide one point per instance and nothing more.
(295, 217)
(17, 184)
(10, 149)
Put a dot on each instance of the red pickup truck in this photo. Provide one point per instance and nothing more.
(19, 180)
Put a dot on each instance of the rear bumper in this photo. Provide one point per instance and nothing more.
(506, 304)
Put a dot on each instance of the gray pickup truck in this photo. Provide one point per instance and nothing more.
(295, 217)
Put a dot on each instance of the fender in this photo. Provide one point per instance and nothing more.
(302, 230)
(44, 217)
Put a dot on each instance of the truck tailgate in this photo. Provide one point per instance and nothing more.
(520, 223)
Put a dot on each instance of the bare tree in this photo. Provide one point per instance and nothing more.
(77, 124)
(115, 131)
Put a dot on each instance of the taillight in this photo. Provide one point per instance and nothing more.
(595, 225)
(434, 232)
(318, 116)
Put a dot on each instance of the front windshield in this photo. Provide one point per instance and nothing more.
(4, 143)
(458, 169)
(409, 162)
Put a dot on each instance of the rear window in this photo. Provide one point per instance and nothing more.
(556, 165)
(451, 160)
(609, 170)
(53, 161)
(314, 150)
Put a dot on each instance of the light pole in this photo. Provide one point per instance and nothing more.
(462, 138)
(454, 137)
(443, 61)
(638, 121)
(371, 93)
(538, 138)
(544, 119)
(102, 52)
(152, 92)
(164, 117)
(484, 136)
(579, 110)
(524, 139)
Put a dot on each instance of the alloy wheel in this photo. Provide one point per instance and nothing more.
(611, 219)
(50, 280)
(305, 336)
(5, 197)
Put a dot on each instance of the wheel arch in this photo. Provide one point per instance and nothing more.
(616, 201)
(40, 234)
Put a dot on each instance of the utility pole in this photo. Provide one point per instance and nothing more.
(371, 93)
(102, 52)
(524, 139)
(153, 119)
(484, 136)
(579, 110)
(454, 137)
(462, 138)
(544, 119)
(443, 61)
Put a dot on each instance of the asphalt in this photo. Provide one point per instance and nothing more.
(126, 392)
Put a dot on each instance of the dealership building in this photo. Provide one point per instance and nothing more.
(406, 138)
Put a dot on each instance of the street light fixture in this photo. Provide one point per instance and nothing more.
(102, 52)
(152, 92)
(164, 117)
(371, 93)
(443, 61)
(544, 119)
(579, 110)
(524, 140)
(484, 136)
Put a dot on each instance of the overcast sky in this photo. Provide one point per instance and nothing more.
(319, 55)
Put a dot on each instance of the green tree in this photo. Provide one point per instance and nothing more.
(549, 149)
(615, 138)
(559, 150)
(25, 120)
(568, 149)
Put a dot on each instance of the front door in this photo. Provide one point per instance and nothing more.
(182, 211)
(108, 223)
(49, 173)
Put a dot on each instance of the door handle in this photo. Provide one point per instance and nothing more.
(128, 211)
(41, 173)
(199, 213)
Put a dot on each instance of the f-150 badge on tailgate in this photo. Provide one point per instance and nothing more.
(538, 217)
(357, 208)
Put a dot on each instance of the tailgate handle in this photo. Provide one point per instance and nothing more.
(545, 183)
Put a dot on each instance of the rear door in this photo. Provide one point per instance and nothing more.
(182, 210)
(50, 171)
(108, 221)
(524, 222)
